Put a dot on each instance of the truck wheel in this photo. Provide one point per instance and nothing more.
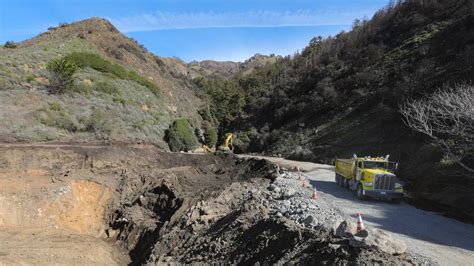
(346, 182)
(338, 180)
(359, 192)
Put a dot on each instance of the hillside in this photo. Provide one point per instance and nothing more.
(229, 69)
(342, 95)
(339, 96)
(103, 106)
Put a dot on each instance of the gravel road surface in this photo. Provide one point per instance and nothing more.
(430, 237)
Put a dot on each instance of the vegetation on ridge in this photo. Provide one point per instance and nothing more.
(95, 61)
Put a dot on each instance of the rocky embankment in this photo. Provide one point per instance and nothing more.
(256, 220)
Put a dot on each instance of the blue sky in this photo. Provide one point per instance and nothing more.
(196, 29)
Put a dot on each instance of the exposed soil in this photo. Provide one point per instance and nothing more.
(66, 204)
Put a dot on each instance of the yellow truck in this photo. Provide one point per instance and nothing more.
(370, 177)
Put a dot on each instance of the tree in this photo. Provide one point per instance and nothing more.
(10, 44)
(210, 134)
(61, 74)
(446, 117)
(180, 136)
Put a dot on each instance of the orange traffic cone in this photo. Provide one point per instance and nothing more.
(305, 183)
(360, 223)
(315, 194)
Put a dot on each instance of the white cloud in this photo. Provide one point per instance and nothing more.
(190, 20)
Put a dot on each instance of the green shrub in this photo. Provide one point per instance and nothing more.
(180, 136)
(56, 116)
(142, 123)
(156, 117)
(80, 88)
(10, 44)
(95, 61)
(98, 63)
(119, 100)
(206, 115)
(98, 122)
(61, 74)
(55, 107)
(106, 87)
(29, 78)
(144, 82)
(210, 133)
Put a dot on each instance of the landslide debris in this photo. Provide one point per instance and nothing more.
(136, 204)
(246, 218)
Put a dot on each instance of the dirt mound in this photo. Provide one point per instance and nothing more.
(168, 219)
(136, 204)
(236, 226)
(146, 204)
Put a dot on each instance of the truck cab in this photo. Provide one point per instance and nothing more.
(370, 177)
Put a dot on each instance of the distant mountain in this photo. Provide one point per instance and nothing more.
(228, 69)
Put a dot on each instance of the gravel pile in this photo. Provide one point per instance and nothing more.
(292, 200)
(290, 195)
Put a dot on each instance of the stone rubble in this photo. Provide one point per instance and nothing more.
(287, 197)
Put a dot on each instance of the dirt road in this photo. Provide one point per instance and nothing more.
(442, 240)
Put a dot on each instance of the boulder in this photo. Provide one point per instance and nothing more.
(274, 188)
(288, 193)
(333, 223)
(380, 240)
(309, 220)
(346, 229)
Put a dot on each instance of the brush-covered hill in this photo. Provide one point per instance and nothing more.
(120, 93)
(229, 69)
(342, 95)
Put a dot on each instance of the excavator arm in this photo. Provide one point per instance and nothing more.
(228, 141)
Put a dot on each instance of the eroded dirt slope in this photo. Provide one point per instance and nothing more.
(54, 198)
(83, 205)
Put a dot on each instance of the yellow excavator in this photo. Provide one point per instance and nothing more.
(228, 143)
(227, 146)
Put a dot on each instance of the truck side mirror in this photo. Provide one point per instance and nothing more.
(396, 166)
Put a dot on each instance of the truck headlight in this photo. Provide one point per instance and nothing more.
(398, 185)
(368, 184)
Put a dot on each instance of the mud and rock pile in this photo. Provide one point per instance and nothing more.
(135, 204)
(263, 218)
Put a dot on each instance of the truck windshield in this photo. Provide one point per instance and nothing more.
(374, 165)
(391, 166)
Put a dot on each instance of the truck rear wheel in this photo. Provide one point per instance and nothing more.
(341, 181)
(346, 182)
(360, 192)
